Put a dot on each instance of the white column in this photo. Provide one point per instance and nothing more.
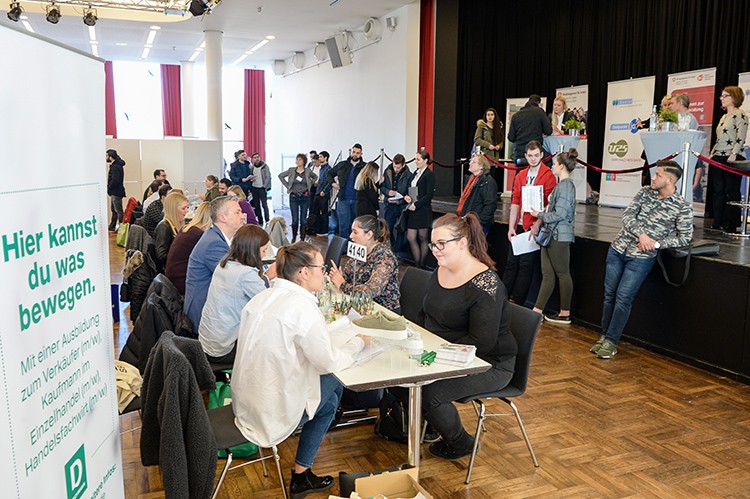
(188, 99)
(213, 85)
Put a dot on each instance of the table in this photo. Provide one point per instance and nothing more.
(659, 145)
(393, 367)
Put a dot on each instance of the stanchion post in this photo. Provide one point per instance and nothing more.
(382, 158)
(685, 165)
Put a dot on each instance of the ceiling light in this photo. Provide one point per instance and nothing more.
(259, 45)
(53, 13)
(146, 50)
(203, 44)
(95, 49)
(27, 26)
(194, 56)
(120, 44)
(270, 37)
(24, 17)
(239, 59)
(151, 36)
(92, 33)
(14, 12)
(89, 19)
(155, 28)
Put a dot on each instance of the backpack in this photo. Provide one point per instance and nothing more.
(393, 422)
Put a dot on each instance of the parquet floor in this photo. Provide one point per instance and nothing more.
(637, 425)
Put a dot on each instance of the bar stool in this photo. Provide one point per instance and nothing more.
(744, 203)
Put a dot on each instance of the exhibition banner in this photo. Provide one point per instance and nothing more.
(512, 106)
(744, 84)
(61, 433)
(627, 100)
(700, 86)
(577, 100)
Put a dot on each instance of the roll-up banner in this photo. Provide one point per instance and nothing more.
(60, 430)
(512, 106)
(744, 84)
(577, 101)
(627, 100)
(700, 85)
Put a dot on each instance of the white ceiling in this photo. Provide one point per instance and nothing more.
(296, 24)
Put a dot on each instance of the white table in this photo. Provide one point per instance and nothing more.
(393, 367)
(562, 143)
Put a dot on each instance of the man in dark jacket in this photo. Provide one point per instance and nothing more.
(239, 172)
(260, 178)
(529, 123)
(394, 185)
(342, 177)
(115, 187)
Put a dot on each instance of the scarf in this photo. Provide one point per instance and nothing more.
(467, 192)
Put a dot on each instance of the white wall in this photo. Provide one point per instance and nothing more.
(373, 101)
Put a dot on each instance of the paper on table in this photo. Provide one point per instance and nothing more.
(532, 196)
(341, 334)
(522, 244)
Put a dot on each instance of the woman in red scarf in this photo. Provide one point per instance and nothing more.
(480, 193)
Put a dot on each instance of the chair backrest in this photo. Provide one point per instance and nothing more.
(412, 290)
(335, 248)
(524, 324)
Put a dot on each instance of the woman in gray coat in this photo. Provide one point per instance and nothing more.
(560, 219)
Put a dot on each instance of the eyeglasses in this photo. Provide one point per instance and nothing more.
(724, 95)
(323, 268)
(440, 245)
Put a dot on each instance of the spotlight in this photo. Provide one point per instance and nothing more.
(89, 17)
(14, 12)
(53, 13)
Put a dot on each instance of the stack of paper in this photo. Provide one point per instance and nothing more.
(455, 355)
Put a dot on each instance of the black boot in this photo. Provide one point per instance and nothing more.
(307, 483)
(294, 234)
(302, 232)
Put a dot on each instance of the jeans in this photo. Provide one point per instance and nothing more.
(299, 204)
(333, 222)
(345, 210)
(117, 213)
(622, 280)
(313, 430)
(260, 201)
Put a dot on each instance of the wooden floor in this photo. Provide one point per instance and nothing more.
(636, 425)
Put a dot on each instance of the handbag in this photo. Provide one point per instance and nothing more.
(698, 247)
(402, 222)
(393, 422)
(544, 238)
(122, 234)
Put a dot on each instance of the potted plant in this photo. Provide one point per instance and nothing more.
(573, 127)
(667, 120)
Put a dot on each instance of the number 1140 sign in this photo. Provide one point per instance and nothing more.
(357, 251)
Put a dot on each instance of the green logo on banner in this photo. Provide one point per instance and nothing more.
(75, 474)
(619, 148)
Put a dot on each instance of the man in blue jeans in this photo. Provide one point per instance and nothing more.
(342, 177)
(657, 218)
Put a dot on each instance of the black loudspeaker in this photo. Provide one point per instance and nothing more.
(198, 7)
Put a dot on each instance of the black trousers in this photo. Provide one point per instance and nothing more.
(260, 201)
(725, 187)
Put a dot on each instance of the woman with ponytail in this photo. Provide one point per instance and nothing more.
(466, 303)
(559, 218)
(420, 208)
(378, 276)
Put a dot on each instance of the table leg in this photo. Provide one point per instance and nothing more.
(415, 423)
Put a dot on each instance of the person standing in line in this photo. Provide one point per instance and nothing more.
(342, 177)
(261, 184)
(394, 186)
(366, 186)
(319, 202)
(115, 187)
(489, 134)
(657, 218)
(529, 123)
(298, 180)
(480, 193)
(559, 218)
(239, 172)
(420, 208)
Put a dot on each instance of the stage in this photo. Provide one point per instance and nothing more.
(704, 323)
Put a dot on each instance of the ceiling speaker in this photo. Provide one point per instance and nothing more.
(298, 60)
(198, 7)
(372, 28)
(338, 50)
(279, 67)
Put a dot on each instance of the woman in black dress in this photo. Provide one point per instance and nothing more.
(420, 208)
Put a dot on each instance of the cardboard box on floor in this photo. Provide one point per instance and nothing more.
(395, 484)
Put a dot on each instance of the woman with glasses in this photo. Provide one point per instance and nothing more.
(236, 280)
(466, 303)
(284, 356)
(480, 193)
(378, 276)
(731, 134)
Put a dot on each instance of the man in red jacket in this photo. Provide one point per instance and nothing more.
(519, 269)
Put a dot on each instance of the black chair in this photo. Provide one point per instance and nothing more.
(412, 290)
(335, 249)
(524, 324)
(228, 435)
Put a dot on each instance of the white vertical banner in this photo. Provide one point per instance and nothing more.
(577, 101)
(744, 83)
(60, 428)
(512, 106)
(627, 100)
(700, 86)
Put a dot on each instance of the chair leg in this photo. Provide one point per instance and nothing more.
(223, 474)
(474, 403)
(424, 431)
(523, 430)
(278, 468)
(480, 426)
(263, 462)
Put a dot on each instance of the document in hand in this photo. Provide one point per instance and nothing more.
(532, 196)
(342, 333)
(523, 243)
(396, 197)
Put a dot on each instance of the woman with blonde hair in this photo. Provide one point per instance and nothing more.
(246, 207)
(559, 115)
(183, 244)
(176, 206)
(366, 186)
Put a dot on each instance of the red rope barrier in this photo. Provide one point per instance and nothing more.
(629, 170)
(721, 165)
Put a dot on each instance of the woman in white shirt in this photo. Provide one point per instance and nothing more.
(284, 356)
(236, 280)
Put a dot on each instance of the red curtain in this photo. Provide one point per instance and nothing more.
(171, 100)
(426, 75)
(110, 114)
(255, 112)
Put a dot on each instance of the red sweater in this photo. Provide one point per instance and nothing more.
(545, 178)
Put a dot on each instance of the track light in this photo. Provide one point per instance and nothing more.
(89, 17)
(15, 11)
(53, 13)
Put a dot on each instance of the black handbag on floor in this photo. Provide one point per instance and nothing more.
(402, 222)
(393, 422)
(697, 247)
